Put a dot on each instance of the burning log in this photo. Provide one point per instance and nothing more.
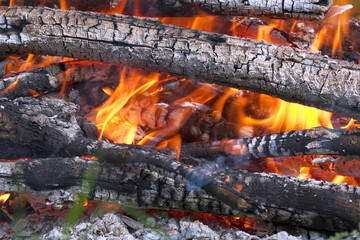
(297, 9)
(48, 126)
(316, 141)
(288, 73)
(304, 202)
(53, 77)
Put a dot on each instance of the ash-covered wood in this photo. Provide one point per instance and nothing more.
(50, 127)
(51, 78)
(43, 127)
(303, 202)
(297, 9)
(316, 141)
(34, 127)
(288, 73)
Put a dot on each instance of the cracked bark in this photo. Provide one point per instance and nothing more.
(296, 9)
(316, 141)
(51, 127)
(304, 202)
(288, 73)
(52, 77)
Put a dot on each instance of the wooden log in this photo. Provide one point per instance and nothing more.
(303, 202)
(296, 9)
(51, 78)
(49, 127)
(288, 73)
(316, 141)
(46, 126)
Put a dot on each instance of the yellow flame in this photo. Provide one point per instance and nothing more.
(107, 90)
(4, 198)
(304, 173)
(326, 33)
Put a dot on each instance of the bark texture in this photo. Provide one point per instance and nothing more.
(304, 202)
(316, 141)
(52, 127)
(51, 78)
(297, 9)
(288, 73)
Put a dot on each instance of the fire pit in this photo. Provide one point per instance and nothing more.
(137, 112)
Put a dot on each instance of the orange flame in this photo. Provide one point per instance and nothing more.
(339, 17)
(4, 198)
(11, 86)
(63, 5)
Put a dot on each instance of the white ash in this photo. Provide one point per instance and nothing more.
(115, 226)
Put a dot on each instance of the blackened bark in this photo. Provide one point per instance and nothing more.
(316, 141)
(51, 78)
(303, 202)
(284, 72)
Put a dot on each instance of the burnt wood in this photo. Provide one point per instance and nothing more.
(284, 72)
(303, 202)
(51, 78)
(316, 141)
(43, 127)
(56, 131)
(297, 9)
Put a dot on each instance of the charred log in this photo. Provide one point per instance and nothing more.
(297, 9)
(316, 141)
(53, 77)
(290, 74)
(60, 134)
(304, 202)
(51, 127)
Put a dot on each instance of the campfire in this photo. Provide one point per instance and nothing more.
(245, 112)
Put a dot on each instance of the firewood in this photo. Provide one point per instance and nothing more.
(148, 112)
(49, 127)
(303, 202)
(60, 130)
(316, 141)
(296, 9)
(284, 72)
(51, 78)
